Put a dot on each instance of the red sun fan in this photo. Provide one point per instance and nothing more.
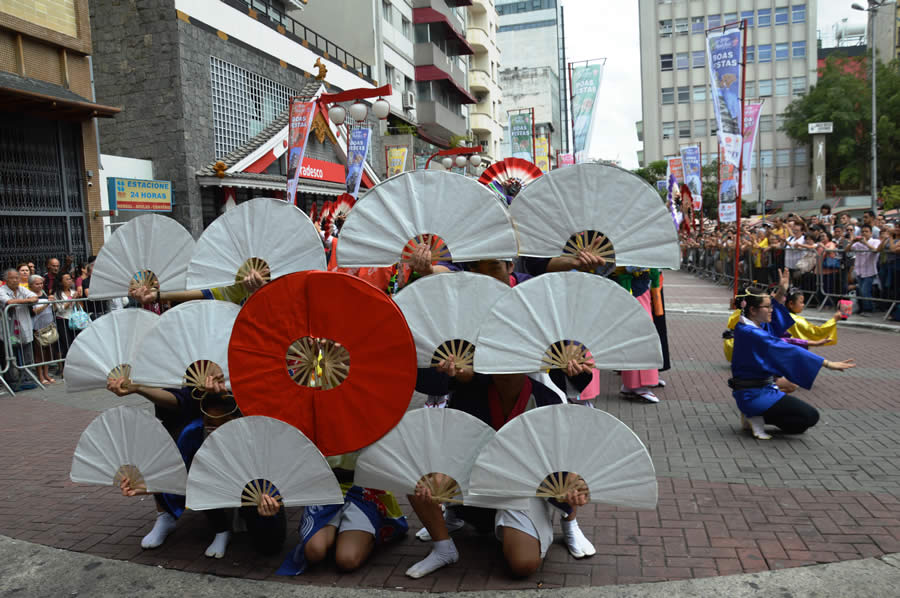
(342, 206)
(508, 170)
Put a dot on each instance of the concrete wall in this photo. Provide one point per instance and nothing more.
(536, 88)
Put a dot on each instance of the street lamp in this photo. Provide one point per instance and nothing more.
(873, 10)
(462, 155)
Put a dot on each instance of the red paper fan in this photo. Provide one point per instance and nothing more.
(508, 170)
(314, 213)
(324, 305)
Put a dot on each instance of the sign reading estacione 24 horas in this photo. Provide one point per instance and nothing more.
(139, 194)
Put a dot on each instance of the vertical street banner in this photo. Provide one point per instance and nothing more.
(674, 168)
(690, 163)
(585, 88)
(542, 149)
(298, 132)
(357, 149)
(520, 135)
(396, 159)
(565, 160)
(728, 181)
(674, 178)
(724, 51)
(751, 122)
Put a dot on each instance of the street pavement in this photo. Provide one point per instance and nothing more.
(728, 504)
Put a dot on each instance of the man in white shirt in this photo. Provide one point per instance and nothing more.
(19, 323)
(865, 248)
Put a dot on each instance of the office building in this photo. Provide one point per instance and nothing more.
(484, 77)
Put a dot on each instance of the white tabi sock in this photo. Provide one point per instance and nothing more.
(165, 525)
(218, 546)
(579, 546)
(442, 553)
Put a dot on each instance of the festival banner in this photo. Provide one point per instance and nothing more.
(396, 159)
(724, 52)
(542, 149)
(298, 131)
(585, 88)
(751, 120)
(728, 180)
(358, 148)
(690, 161)
(520, 135)
(674, 168)
(565, 160)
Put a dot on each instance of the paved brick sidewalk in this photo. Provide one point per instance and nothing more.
(728, 503)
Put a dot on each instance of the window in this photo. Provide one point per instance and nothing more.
(783, 157)
(798, 49)
(749, 89)
(387, 11)
(700, 128)
(681, 26)
(801, 156)
(798, 13)
(764, 17)
(713, 126)
(684, 128)
(782, 51)
(407, 84)
(730, 17)
(782, 87)
(665, 62)
(698, 59)
(765, 88)
(389, 72)
(699, 93)
(765, 158)
(779, 121)
(798, 85)
(665, 28)
(764, 53)
(684, 94)
(668, 95)
(747, 16)
(682, 61)
(781, 15)
(697, 25)
(421, 33)
(765, 123)
(406, 28)
(713, 21)
(751, 54)
(668, 130)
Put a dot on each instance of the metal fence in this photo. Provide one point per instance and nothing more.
(825, 275)
(23, 360)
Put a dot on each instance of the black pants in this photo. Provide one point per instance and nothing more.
(266, 533)
(791, 415)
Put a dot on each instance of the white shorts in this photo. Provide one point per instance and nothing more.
(351, 518)
(537, 522)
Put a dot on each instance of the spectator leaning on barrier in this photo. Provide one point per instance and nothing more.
(866, 250)
(51, 276)
(19, 325)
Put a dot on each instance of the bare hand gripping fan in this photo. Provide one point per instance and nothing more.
(260, 234)
(251, 456)
(186, 339)
(444, 313)
(533, 453)
(548, 320)
(461, 219)
(151, 250)
(425, 441)
(129, 442)
(106, 348)
(623, 208)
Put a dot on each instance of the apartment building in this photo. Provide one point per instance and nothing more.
(484, 69)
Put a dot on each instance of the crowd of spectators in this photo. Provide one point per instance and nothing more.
(829, 257)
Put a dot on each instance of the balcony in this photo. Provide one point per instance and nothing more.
(479, 40)
(482, 124)
(439, 121)
(443, 26)
(480, 82)
(481, 6)
(429, 54)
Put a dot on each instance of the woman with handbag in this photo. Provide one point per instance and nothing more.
(45, 332)
(65, 292)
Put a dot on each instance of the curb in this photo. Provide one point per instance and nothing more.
(816, 319)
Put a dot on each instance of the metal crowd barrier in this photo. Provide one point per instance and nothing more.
(21, 360)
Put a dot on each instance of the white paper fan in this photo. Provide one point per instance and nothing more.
(414, 206)
(259, 233)
(146, 248)
(129, 442)
(445, 310)
(106, 348)
(425, 441)
(256, 455)
(519, 462)
(599, 198)
(526, 332)
(196, 331)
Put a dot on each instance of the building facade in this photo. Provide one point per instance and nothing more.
(49, 183)
(781, 65)
(484, 76)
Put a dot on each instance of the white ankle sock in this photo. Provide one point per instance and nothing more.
(579, 546)
(165, 525)
(218, 546)
(442, 553)
(453, 523)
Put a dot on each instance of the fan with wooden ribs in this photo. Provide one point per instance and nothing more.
(509, 176)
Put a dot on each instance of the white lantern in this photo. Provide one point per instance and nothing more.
(474, 160)
(461, 161)
(381, 108)
(447, 162)
(337, 114)
(358, 111)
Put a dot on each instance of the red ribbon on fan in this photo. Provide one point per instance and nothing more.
(364, 321)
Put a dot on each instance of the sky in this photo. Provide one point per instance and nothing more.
(609, 29)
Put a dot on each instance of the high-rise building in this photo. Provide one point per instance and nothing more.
(484, 73)
(530, 35)
(780, 65)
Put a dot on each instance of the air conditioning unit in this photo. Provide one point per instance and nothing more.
(409, 100)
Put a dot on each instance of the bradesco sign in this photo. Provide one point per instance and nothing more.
(139, 194)
(320, 170)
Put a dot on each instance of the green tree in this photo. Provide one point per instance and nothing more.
(710, 176)
(655, 171)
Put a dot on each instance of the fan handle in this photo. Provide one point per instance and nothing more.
(462, 352)
(319, 363)
(593, 242)
(559, 484)
(254, 263)
(254, 491)
(442, 487)
(560, 353)
(133, 475)
(440, 252)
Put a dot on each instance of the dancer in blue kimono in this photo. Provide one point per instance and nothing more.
(761, 358)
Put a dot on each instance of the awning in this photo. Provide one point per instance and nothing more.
(23, 94)
(429, 15)
(458, 2)
(432, 73)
